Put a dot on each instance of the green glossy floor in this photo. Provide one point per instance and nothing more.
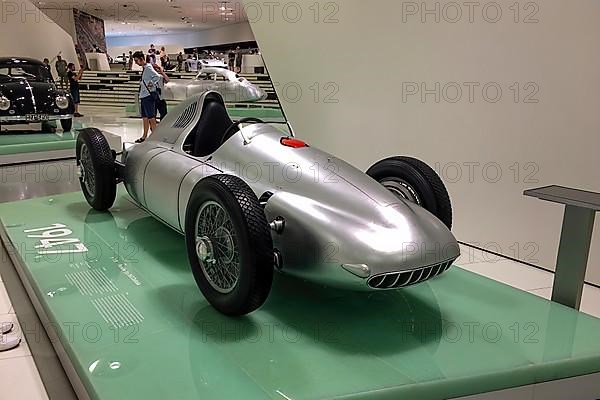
(135, 325)
(18, 142)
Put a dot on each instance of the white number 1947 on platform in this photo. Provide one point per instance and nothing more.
(55, 236)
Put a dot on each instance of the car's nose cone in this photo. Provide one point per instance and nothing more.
(405, 237)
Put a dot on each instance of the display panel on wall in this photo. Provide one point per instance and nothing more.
(90, 32)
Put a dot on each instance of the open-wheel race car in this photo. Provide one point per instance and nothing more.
(250, 200)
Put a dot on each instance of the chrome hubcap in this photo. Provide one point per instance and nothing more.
(216, 247)
(204, 250)
(87, 170)
(402, 190)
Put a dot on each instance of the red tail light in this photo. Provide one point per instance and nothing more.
(294, 143)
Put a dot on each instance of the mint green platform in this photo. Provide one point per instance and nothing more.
(134, 325)
(20, 142)
(36, 142)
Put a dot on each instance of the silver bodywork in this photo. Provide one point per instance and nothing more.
(341, 227)
(234, 89)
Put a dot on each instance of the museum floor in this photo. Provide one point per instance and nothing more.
(19, 377)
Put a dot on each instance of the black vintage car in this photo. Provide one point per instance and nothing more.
(28, 95)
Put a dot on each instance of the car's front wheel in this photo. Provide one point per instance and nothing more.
(413, 180)
(66, 124)
(48, 126)
(229, 245)
(97, 169)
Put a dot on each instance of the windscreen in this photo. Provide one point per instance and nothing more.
(32, 72)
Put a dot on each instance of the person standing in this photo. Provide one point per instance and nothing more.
(130, 61)
(191, 64)
(148, 94)
(152, 54)
(187, 63)
(161, 105)
(180, 62)
(61, 70)
(46, 63)
(74, 78)
(232, 60)
(238, 60)
(163, 57)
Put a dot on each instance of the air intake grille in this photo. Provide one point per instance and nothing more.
(394, 280)
(187, 116)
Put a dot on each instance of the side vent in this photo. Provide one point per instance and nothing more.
(187, 116)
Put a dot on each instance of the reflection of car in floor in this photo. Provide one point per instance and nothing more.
(231, 87)
(29, 95)
(250, 200)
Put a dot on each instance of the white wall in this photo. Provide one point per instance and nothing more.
(63, 18)
(27, 32)
(550, 137)
(233, 33)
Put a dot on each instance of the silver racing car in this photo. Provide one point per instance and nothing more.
(232, 87)
(250, 200)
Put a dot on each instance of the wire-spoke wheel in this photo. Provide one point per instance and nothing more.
(412, 180)
(229, 244)
(96, 169)
(216, 247)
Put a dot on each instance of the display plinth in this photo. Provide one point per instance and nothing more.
(134, 325)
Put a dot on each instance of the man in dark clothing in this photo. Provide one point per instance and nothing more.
(47, 66)
(239, 55)
(232, 60)
(74, 78)
(161, 104)
(180, 62)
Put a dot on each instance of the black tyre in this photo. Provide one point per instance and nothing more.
(66, 124)
(229, 245)
(48, 126)
(413, 180)
(96, 163)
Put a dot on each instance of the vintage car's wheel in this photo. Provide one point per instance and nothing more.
(229, 245)
(415, 181)
(96, 164)
(48, 126)
(66, 124)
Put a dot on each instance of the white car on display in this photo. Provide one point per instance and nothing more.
(121, 59)
(212, 62)
(232, 87)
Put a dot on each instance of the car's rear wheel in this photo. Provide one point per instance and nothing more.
(66, 124)
(97, 169)
(413, 180)
(229, 245)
